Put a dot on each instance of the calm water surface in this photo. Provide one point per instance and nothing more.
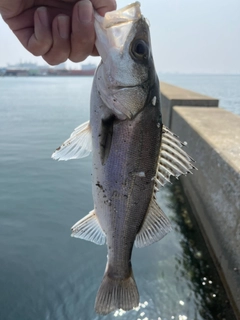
(226, 88)
(47, 275)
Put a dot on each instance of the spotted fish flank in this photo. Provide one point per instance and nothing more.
(133, 153)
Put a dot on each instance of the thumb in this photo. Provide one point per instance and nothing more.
(103, 6)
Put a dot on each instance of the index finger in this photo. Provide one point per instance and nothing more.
(103, 6)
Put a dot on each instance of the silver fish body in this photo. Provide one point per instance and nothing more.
(125, 158)
(123, 185)
(133, 153)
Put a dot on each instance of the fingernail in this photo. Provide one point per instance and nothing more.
(43, 16)
(63, 26)
(85, 11)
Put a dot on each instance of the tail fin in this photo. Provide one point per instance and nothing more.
(116, 294)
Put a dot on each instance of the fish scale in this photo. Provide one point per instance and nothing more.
(133, 153)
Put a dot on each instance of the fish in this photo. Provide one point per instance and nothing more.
(133, 153)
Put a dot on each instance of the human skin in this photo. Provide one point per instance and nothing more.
(57, 30)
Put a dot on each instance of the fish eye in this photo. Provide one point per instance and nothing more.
(140, 49)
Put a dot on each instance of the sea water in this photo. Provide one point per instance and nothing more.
(226, 88)
(47, 275)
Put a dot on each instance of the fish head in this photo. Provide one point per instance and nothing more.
(126, 71)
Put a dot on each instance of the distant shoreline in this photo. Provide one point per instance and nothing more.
(91, 73)
(43, 76)
(46, 72)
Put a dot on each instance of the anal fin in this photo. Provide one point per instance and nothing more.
(155, 226)
(88, 228)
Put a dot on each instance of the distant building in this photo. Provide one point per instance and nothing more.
(61, 66)
(2, 71)
(16, 73)
(86, 72)
(24, 66)
(57, 72)
(88, 66)
(32, 69)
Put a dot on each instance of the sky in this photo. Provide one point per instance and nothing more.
(188, 36)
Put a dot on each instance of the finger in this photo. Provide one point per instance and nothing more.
(94, 52)
(22, 21)
(22, 26)
(60, 49)
(41, 41)
(103, 6)
(83, 34)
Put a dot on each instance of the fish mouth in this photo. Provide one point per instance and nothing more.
(126, 15)
(113, 29)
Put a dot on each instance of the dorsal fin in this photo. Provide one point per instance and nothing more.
(173, 160)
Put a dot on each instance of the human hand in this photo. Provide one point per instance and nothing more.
(57, 30)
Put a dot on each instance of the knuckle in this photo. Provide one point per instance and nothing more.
(84, 36)
(78, 56)
(34, 52)
(45, 47)
(39, 48)
(55, 57)
(50, 62)
(81, 50)
(53, 61)
(77, 59)
(112, 5)
(86, 41)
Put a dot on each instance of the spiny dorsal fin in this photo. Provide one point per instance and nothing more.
(88, 228)
(173, 160)
(79, 145)
(155, 226)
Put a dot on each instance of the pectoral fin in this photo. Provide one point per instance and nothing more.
(79, 145)
(88, 228)
(155, 226)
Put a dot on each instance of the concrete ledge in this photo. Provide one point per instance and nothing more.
(175, 96)
(213, 137)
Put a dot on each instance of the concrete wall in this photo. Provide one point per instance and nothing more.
(175, 96)
(213, 136)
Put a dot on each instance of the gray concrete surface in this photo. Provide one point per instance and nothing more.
(213, 137)
(175, 96)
